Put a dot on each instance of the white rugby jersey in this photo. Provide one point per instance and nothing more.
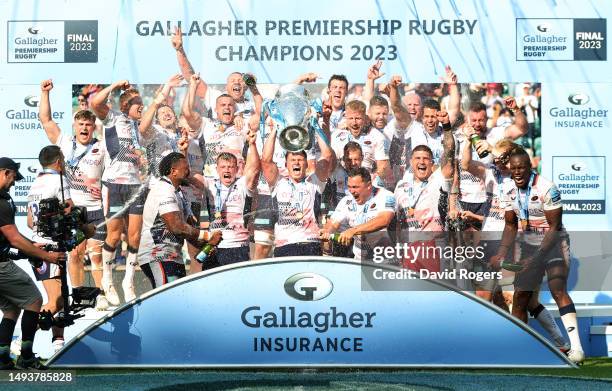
(46, 185)
(335, 118)
(84, 167)
(400, 161)
(195, 156)
(278, 158)
(216, 141)
(415, 127)
(417, 202)
(227, 208)
(392, 130)
(159, 142)
(339, 179)
(542, 196)
(121, 143)
(432, 140)
(157, 243)
(349, 212)
(471, 188)
(297, 206)
(494, 220)
(374, 145)
(246, 107)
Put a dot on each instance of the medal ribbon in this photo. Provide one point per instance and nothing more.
(524, 207)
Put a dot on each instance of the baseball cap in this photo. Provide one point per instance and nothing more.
(10, 164)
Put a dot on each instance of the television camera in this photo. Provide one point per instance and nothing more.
(67, 231)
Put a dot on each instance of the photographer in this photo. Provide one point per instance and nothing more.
(165, 226)
(48, 185)
(17, 290)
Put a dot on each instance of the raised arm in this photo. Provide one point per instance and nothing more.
(467, 164)
(373, 74)
(98, 103)
(44, 112)
(185, 66)
(146, 122)
(454, 102)
(252, 167)
(257, 97)
(326, 164)
(269, 168)
(447, 161)
(401, 114)
(193, 118)
(309, 77)
(519, 127)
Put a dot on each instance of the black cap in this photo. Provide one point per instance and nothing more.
(8, 163)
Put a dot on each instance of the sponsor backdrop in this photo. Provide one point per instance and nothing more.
(563, 45)
(310, 311)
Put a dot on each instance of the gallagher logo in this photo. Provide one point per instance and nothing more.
(308, 286)
(543, 27)
(31, 100)
(578, 99)
(33, 30)
(578, 166)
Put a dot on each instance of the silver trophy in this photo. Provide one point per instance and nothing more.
(293, 112)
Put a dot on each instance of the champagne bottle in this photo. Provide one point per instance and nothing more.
(473, 140)
(249, 79)
(511, 266)
(204, 253)
(335, 237)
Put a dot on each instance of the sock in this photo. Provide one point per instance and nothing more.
(26, 349)
(57, 339)
(7, 328)
(546, 320)
(108, 257)
(29, 323)
(57, 333)
(130, 266)
(5, 353)
(568, 316)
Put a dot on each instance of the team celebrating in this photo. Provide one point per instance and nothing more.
(214, 182)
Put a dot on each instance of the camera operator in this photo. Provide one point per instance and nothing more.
(84, 165)
(165, 226)
(48, 185)
(17, 290)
